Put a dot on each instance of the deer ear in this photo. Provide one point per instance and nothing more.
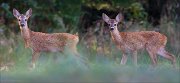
(105, 17)
(16, 13)
(29, 13)
(119, 17)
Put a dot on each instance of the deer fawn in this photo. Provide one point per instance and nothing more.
(131, 42)
(43, 42)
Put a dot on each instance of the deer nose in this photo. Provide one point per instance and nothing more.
(111, 28)
(22, 25)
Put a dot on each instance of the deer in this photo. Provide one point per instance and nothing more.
(131, 42)
(44, 42)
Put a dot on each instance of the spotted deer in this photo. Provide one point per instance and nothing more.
(44, 42)
(131, 42)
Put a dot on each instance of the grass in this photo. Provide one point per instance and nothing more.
(98, 68)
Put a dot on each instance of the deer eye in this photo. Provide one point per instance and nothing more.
(19, 20)
(25, 19)
(108, 24)
(115, 24)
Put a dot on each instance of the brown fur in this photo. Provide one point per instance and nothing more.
(131, 42)
(44, 42)
(138, 40)
(50, 42)
(55, 42)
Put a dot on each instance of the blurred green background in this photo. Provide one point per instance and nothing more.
(84, 17)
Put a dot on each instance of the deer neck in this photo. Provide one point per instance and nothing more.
(116, 36)
(26, 33)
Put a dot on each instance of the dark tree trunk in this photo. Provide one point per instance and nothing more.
(154, 11)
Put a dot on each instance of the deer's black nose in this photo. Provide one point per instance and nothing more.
(22, 25)
(111, 28)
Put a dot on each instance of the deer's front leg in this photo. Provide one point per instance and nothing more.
(135, 58)
(35, 56)
(124, 59)
(26, 43)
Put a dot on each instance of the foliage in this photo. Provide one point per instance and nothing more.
(137, 11)
(64, 16)
(46, 12)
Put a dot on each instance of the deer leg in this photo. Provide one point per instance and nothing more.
(124, 59)
(26, 44)
(135, 58)
(167, 55)
(152, 56)
(82, 59)
(155, 58)
(78, 57)
(76, 53)
(35, 56)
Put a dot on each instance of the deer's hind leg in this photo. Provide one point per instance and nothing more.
(82, 60)
(161, 51)
(152, 53)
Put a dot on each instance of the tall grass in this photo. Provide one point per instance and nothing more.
(68, 68)
(15, 59)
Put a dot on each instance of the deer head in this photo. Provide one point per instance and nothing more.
(22, 19)
(112, 22)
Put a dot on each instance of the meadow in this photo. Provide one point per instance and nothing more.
(68, 68)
